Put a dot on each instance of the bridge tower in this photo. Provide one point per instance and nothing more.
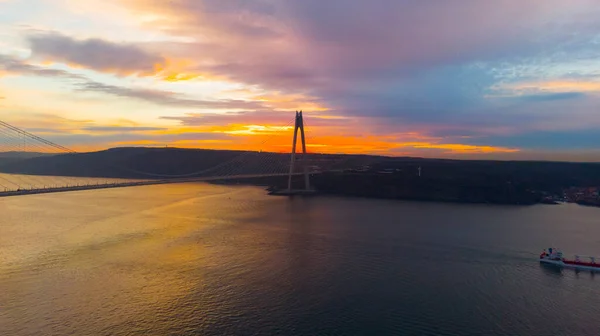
(299, 126)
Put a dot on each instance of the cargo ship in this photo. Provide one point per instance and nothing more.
(555, 257)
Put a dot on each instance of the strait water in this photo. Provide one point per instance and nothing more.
(201, 259)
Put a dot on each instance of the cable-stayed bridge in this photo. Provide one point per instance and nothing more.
(30, 164)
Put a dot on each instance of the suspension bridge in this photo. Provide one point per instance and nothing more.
(30, 164)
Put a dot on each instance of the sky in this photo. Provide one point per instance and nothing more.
(470, 79)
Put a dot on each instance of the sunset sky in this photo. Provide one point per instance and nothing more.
(501, 79)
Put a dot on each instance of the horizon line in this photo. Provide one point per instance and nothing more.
(73, 152)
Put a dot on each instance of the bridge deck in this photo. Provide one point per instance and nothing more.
(293, 192)
(134, 184)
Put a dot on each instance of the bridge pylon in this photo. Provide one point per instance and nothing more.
(299, 126)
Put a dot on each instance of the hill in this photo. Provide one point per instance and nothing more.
(146, 163)
(513, 182)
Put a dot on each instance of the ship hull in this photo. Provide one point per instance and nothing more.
(571, 264)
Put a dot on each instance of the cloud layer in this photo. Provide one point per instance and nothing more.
(93, 53)
(465, 76)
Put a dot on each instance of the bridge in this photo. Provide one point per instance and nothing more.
(23, 156)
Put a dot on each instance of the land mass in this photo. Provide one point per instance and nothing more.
(500, 182)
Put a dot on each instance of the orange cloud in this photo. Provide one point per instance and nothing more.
(277, 99)
(459, 148)
(181, 69)
(43, 123)
(234, 129)
(272, 137)
(170, 70)
(178, 143)
(257, 129)
(556, 86)
(290, 101)
(278, 138)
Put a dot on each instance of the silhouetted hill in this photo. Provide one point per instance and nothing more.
(498, 182)
(539, 175)
(158, 163)
(377, 175)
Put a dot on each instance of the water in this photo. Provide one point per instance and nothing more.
(200, 259)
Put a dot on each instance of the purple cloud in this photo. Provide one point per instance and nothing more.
(258, 117)
(394, 66)
(160, 97)
(13, 65)
(128, 138)
(358, 40)
(401, 65)
(166, 98)
(122, 129)
(95, 54)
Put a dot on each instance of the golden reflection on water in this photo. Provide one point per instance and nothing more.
(113, 253)
(216, 260)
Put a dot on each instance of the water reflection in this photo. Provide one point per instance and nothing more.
(587, 273)
(217, 260)
(552, 270)
(558, 271)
